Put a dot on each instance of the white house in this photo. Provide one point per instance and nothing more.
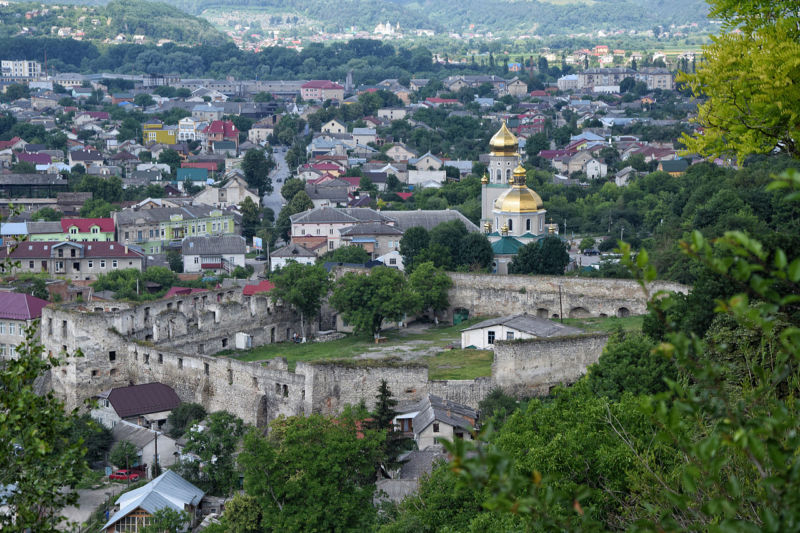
(218, 253)
(595, 169)
(333, 126)
(417, 177)
(148, 404)
(392, 259)
(484, 334)
(150, 445)
(291, 252)
(434, 418)
(232, 193)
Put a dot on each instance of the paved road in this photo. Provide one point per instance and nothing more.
(88, 501)
(274, 200)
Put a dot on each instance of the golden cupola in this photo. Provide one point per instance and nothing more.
(519, 198)
(504, 143)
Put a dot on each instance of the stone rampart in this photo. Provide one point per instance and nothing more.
(547, 296)
(467, 391)
(531, 367)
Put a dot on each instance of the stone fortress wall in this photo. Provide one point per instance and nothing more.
(173, 341)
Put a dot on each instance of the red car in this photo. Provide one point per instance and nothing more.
(124, 475)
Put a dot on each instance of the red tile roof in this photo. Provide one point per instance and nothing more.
(182, 291)
(35, 159)
(16, 306)
(326, 167)
(84, 225)
(225, 127)
(264, 286)
(404, 195)
(143, 399)
(9, 144)
(321, 84)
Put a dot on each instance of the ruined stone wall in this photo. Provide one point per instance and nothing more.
(466, 391)
(490, 295)
(532, 366)
(329, 387)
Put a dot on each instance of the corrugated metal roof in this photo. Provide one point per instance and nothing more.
(539, 327)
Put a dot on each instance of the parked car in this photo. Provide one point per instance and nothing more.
(124, 475)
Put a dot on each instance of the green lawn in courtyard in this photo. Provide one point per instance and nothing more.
(459, 364)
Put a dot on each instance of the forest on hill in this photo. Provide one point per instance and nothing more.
(153, 20)
(497, 16)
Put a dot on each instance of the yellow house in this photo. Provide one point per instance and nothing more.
(154, 131)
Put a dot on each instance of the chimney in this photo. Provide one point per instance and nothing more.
(126, 249)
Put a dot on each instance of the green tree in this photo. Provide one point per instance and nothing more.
(413, 241)
(96, 437)
(760, 112)
(37, 456)
(143, 100)
(40, 289)
(366, 300)
(242, 515)
(251, 218)
(48, 214)
(124, 454)
(291, 187)
(629, 365)
(587, 243)
(313, 472)
(24, 167)
(172, 158)
(175, 261)
(96, 208)
(256, 167)
(215, 445)
(303, 287)
(475, 252)
(365, 185)
(183, 417)
(431, 285)
(346, 254)
(167, 520)
(547, 256)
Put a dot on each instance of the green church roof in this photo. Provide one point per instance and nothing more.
(506, 246)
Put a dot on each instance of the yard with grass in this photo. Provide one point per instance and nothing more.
(425, 344)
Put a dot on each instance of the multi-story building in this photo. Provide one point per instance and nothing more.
(20, 70)
(75, 229)
(154, 131)
(153, 229)
(17, 312)
(219, 131)
(654, 77)
(74, 260)
(322, 90)
(191, 129)
(221, 253)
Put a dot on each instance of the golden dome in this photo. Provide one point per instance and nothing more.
(518, 199)
(485, 179)
(504, 142)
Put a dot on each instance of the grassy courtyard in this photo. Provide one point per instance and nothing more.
(421, 344)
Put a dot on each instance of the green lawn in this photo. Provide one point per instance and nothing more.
(631, 323)
(353, 345)
(459, 364)
(446, 364)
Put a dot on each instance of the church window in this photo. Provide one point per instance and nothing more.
(508, 174)
(499, 176)
(527, 224)
(510, 225)
(541, 223)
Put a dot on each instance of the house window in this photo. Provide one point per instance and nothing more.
(60, 252)
(102, 263)
(509, 335)
(436, 427)
(2, 328)
(95, 229)
(30, 264)
(91, 263)
(490, 337)
(12, 328)
(73, 230)
(112, 355)
(114, 263)
(127, 235)
(196, 260)
(330, 231)
(392, 261)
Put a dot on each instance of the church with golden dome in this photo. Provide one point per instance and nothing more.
(512, 214)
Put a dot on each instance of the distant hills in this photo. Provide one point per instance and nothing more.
(498, 16)
(118, 19)
(518, 17)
